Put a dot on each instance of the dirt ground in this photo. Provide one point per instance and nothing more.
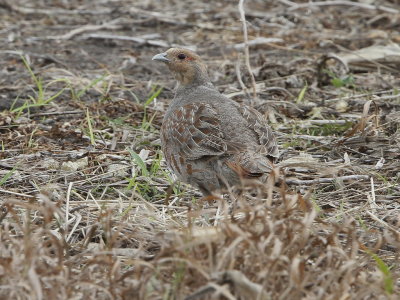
(88, 209)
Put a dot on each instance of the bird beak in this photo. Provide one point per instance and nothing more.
(161, 57)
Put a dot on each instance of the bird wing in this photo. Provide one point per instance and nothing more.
(195, 131)
(256, 160)
(266, 139)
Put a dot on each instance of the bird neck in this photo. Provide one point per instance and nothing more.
(194, 76)
(183, 89)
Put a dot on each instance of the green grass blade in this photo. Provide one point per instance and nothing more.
(301, 95)
(90, 85)
(154, 94)
(8, 175)
(89, 121)
(139, 161)
(388, 281)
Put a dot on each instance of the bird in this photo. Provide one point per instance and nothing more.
(207, 139)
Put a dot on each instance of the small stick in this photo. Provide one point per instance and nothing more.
(246, 47)
(16, 194)
(56, 113)
(345, 3)
(323, 122)
(239, 77)
(362, 95)
(374, 217)
(372, 198)
(67, 205)
(78, 220)
(326, 180)
(139, 40)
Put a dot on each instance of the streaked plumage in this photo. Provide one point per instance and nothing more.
(209, 140)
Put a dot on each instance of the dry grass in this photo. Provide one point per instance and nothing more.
(88, 209)
(133, 250)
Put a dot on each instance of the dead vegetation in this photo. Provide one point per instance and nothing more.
(87, 210)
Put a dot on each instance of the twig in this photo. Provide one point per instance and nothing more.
(256, 42)
(338, 214)
(42, 56)
(139, 40)
(281, 89)
(239, 78)
(56, 113)
(78, 220)
(246, 47)
(372, 198)
(383, 222)
(77, 31)
(325, 180)
(28, 10)
(287, 2)
(309, 137)
(324, 122)
(67, 36)
(366, 59)
(361, 95)
(16, 194)
(346, 3)
(67, 205)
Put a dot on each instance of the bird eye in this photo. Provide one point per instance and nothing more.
(181, 56)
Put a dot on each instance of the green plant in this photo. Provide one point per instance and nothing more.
(155, 91)
(31, 141)
(90, 128)
(139, 161)
(339, 82)
(40, 98)
(178, 276)
(91, 84)
(388, 281)
(8, 175)
(301, 95)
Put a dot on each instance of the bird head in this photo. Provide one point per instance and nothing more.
(186, 65)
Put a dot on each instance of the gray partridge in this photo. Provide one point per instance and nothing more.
(209, 140)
